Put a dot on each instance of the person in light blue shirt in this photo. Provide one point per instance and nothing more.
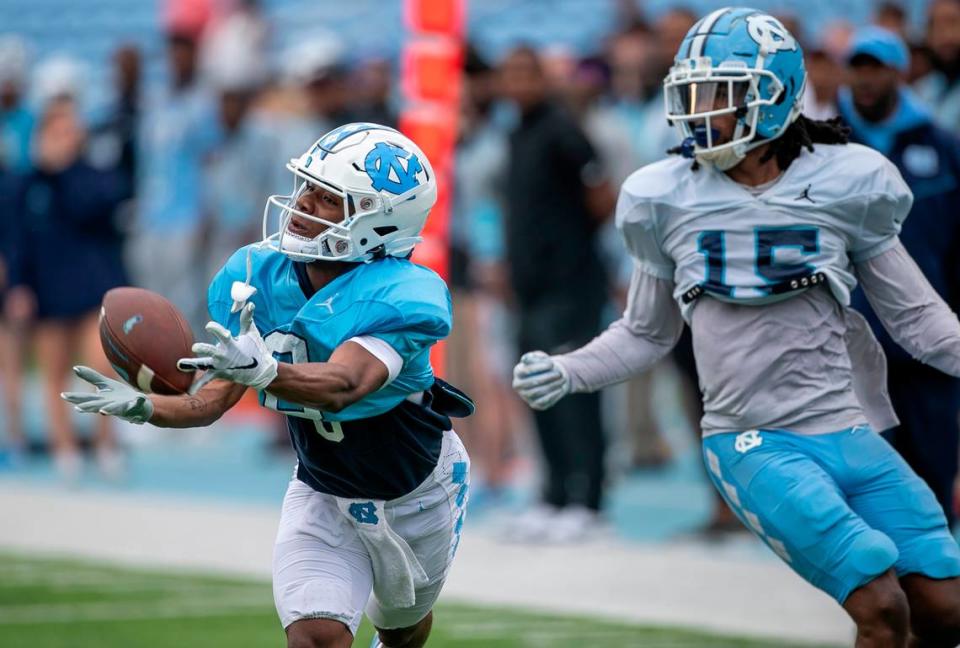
(332, 323)
(16, 120)
(238, 172)
(178, 131)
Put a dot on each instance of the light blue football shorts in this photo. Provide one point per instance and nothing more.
(839, 508)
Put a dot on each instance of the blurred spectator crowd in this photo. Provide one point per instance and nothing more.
(160, 184)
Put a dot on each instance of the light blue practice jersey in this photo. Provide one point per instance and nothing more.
(384, 444)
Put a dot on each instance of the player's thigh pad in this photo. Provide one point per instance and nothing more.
(321, 570)
(891, 498)
(785, 497)
(430, 519)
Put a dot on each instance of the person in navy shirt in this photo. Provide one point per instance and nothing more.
(329, 320)
(884, 114)
(66, 253)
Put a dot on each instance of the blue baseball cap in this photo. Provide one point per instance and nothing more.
(880, 44)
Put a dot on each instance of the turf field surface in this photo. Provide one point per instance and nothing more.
(56, 603)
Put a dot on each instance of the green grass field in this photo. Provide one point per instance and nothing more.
(69, 604)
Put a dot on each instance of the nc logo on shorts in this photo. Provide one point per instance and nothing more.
(365, 513)
(747, 441)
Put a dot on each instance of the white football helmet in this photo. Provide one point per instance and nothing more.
(387, 185)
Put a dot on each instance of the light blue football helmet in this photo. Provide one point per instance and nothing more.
(741, 61)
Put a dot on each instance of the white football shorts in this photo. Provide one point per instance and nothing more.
(321, 569)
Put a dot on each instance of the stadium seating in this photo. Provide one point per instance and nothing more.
(90, 30)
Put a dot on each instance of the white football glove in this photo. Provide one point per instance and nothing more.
(244, 359)
(539, 380)
(113, 398)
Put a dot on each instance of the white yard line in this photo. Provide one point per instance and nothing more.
(654, 584)
(134, 611)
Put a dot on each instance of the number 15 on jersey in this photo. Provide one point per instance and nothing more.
(776, 256)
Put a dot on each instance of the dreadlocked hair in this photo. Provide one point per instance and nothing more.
(803, 133)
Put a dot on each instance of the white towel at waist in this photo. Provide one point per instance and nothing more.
(396, 571)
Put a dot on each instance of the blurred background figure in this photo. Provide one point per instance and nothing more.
(941, 88)
(239, 169)
(825, 75)
(371, 92)
(892, 17)
(834, 38)
(69, 256)
(480, 292)
(179, 131)
(316, 72)
(237, 176)
(658, 136)
(886, 115)
(229, 28)
(557, 197)
(112, 143)
(17, 310)
(16, 128)
(614, 122)
(16, 120)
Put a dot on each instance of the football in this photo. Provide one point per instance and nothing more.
(143, 336)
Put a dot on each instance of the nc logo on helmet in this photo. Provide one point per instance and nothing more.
(770, 34)
(392, 168)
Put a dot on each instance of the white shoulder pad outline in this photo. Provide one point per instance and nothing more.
(851, 170)
(658, 180)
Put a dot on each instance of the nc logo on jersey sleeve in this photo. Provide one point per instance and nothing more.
(770, 34)
(392, 169)
(364, 512)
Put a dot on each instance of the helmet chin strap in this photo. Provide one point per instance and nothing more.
(306, 249)
(723, 159)
(728, 157)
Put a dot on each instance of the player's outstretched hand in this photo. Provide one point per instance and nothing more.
(244, 359)
(539, 380)
(113, 398)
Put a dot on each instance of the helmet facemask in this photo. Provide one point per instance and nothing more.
(696, 93)
(336, 242)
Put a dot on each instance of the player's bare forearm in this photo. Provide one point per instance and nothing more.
(324, 385)
(196, 410)
(352, 373)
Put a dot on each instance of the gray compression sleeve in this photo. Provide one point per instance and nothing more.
(648, 330)
(911, 310)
